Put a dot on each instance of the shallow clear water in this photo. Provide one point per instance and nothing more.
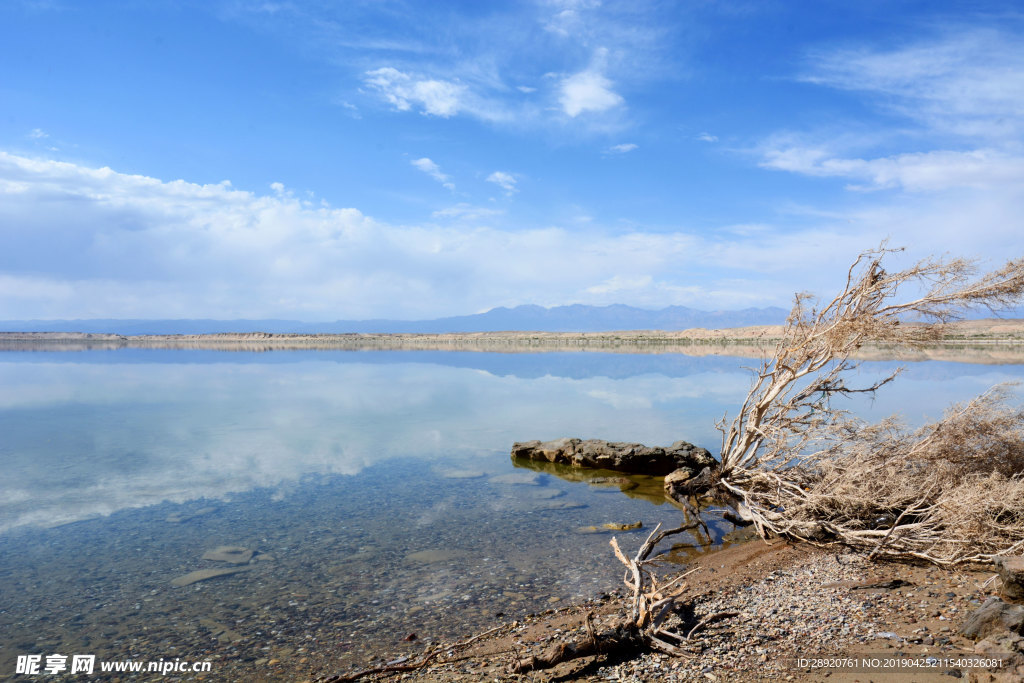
(368, 483)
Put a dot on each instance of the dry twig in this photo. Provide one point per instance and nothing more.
(419, 664)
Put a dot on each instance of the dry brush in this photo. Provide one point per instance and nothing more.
(794, 464)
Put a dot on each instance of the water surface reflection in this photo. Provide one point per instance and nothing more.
(368, 485)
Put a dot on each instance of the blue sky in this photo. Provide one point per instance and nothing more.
(334, 160)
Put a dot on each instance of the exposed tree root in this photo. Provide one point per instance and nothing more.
(641, 631)
(403, 667)
(710, 619)
(624, 639)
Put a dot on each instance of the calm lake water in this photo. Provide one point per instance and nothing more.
(375, 489)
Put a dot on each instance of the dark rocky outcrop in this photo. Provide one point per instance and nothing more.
(1011, 573)
(685, 482)
(633, 458)
(994, 616)
(998, 626)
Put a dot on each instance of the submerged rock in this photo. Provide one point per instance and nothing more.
(607, 484)
(182, 517)
(618, 456)
(517, 478)
(205, 574)
(232, 554)
(608, 527)
(544, 493)
(220, 631)
(462, 474)
(432, 556)
(560, 505)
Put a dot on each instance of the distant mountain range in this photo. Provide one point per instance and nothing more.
(575, 318)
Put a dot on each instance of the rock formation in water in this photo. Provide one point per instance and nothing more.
(633, 458)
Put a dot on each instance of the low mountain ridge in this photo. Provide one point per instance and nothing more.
(573, 318)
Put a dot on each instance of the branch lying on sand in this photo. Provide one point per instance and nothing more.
(419, 664)
(623, 639)
(710, 619)
(642, 630)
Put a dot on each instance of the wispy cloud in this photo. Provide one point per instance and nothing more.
(93, 242)
(707, 137)
(464, 211)
(618, 284)
(946, 144)
(505, 181)
(968, 82)
(964, 91)
(434, 171)
(594, 51)
(623, 148)
(403, 91)
(352, 110)
(568, 17)
(915, 172)
(38, 134)
(587, 91)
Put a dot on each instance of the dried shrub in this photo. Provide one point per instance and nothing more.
(949, 493)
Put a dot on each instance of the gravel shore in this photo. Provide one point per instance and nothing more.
(791, 603)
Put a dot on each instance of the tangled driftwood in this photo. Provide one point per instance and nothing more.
(406, 666)
(643, 629)
(794, 465)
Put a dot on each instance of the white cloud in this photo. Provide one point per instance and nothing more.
(623, 148)
(434, 171)
(490, 78)
(467, 212)
(969, 83)
(707, 137)
(352, 110)
(484, 98)
(618, 284)
(94, 243)
(505, 181)
(915, 172)
(587, 91)
(454, 64)
(955, 178)
(568, 19)
(402, 90)
(38, 134)
(964, 87)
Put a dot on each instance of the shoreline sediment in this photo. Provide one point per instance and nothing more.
(986, 342)
(791, 602)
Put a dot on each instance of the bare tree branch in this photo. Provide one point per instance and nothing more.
(797, 466)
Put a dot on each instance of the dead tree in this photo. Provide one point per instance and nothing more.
(643, 628)
(795, 465)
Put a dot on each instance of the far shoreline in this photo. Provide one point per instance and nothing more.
(989, 341)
